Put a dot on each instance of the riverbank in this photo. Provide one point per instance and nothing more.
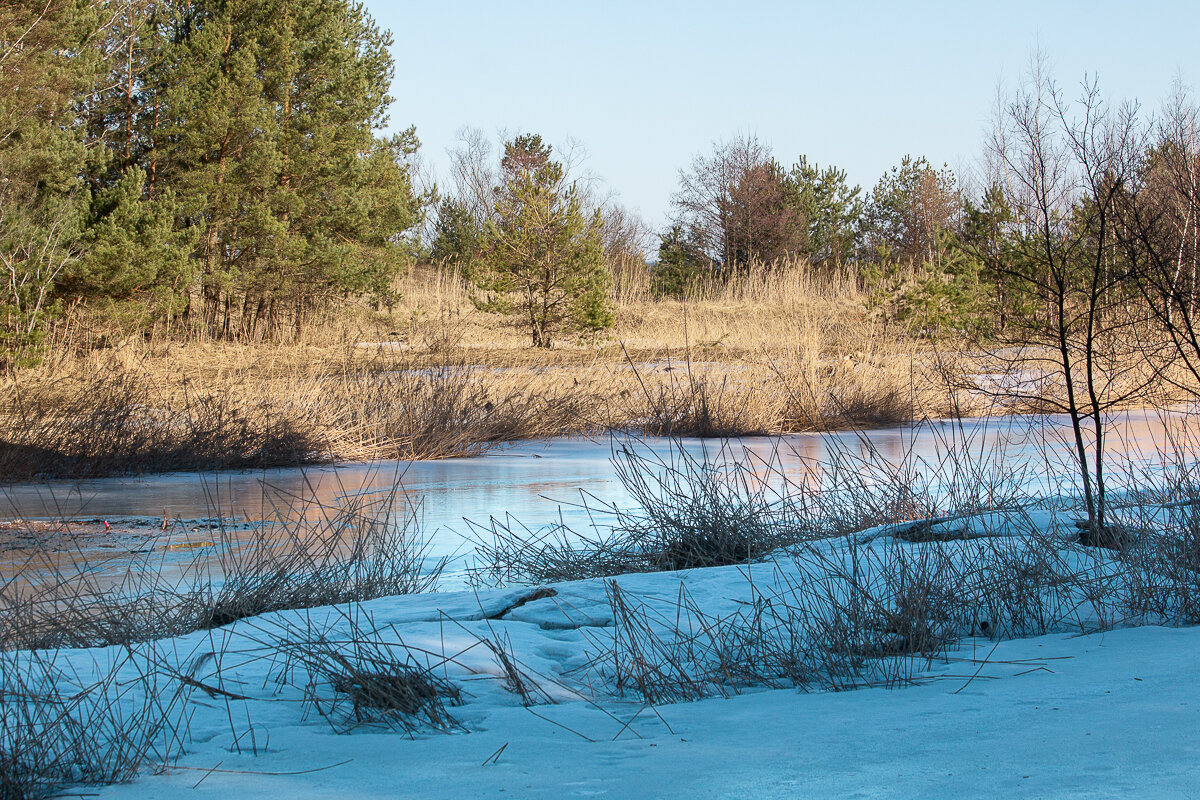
(729, 604)
(535, 486)
(436, 378)
(1043, 717)
(1001, 658)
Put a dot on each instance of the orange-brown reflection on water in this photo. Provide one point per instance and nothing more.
(537, 483)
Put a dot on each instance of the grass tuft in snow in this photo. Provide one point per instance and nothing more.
(356, 673)
(719, 507)
(64, 725)
(839, 614)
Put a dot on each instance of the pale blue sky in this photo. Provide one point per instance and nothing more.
(644, 86)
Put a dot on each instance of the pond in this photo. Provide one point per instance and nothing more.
(539, 483)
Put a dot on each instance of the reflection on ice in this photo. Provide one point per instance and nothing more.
(546, 483)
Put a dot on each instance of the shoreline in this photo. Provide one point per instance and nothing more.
(632, 431)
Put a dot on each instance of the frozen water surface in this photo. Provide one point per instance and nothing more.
(543, 482)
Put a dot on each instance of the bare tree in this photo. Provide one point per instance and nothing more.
(35, 250)
(734, 205)
(473, 174)
(42, 200)
(627, 236)
(1065, 168)
(468, 204)
(1160, 229)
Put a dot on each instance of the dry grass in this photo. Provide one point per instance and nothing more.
(838, 616)
(62, 726)
(689, 512)
(727, 505)
(304, 554)
(91, 419)
(109, 713)
(955, 550)
(783, 349)
(1159, 525)
(354, 672)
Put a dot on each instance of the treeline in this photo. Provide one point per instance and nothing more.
(214, 163)
(218, 167)
(1066, 185)
(1095, 181)
(740, 205)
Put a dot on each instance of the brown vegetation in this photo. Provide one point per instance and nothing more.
(785, 348)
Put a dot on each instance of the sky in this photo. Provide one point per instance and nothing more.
(646, 86)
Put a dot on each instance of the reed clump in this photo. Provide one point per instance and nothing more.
(836, 615)
(780, 349)
(690, 510)
(702, 506)
(112, 419)
(354, 672)
(303, 554)
(100, 422)
(64, 725)
(904, 556)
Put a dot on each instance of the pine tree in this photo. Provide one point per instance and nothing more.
(681, 265)
(269, 136)
(910, 207)
(135, 260)
(543, 260)
(45, 65)
(457, 235)
(832, 211)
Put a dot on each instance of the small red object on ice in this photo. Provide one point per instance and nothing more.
(107, 527)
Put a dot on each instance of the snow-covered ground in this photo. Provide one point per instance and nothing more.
(1112, 715)
(1067, 714)
(969, 655)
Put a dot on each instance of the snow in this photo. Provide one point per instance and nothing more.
(1111, 714)
(1106, 703)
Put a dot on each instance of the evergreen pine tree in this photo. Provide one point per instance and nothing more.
(135, 260)
(45, 65)
(543, 258)
(272, 110)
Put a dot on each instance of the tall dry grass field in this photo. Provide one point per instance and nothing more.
(785, 348)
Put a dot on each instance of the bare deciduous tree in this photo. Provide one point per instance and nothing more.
(1160, 228)
(473, 173)
(734, 204)
(627, 237)
(1065, 168)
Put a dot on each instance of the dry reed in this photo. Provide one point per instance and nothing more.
(354, 672)
(784, 348)
(723, 506)
(61, 725)
(303, 554)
